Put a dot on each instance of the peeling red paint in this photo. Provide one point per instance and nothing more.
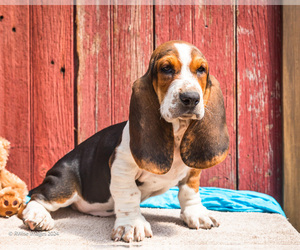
(52, 94)
(259, 71)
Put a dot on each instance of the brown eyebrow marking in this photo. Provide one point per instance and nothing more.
(162, 81)
(199, 60)
(170, 60)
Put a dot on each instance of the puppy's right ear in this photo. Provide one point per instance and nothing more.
(151, 137)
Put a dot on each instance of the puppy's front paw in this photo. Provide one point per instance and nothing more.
(131, 229)
(36, 217)
(197, 216)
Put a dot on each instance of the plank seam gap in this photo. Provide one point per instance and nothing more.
(111, 23)
(96, 94)
(236, 93)
(75, 72)
(31, 111)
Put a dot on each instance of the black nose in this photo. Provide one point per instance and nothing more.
(189, 99)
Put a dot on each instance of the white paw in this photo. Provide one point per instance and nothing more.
(36, 217)
(197, 216)
(131, 229)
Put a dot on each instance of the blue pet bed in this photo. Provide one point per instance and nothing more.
(220, 199)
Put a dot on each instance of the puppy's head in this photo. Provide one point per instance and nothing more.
(180, 77)
(177, 86)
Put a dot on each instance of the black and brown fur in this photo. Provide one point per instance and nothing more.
(86, 169)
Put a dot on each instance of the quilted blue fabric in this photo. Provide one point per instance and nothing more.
(220, 199)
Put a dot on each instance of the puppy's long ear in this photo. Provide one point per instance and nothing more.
(206, 142)
(151, 137)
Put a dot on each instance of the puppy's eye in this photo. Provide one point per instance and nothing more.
(167, 70)
(201, 70)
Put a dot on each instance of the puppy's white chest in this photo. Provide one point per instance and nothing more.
(153, 184)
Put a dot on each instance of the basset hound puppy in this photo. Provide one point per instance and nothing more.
(176, 128)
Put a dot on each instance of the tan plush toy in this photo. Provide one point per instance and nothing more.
(12, 189)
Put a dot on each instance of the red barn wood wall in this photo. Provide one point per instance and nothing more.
(114, 45)
(36, 87)
(52, 91)
(67, 69)
(259, 99)
(15, 87)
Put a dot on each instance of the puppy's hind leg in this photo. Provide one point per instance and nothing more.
(59, 189)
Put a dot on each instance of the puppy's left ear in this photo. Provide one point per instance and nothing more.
(206, 142)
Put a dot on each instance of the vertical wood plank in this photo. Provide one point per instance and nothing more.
(114, 44)
(211, 29)
(94, 100)
(174, 22)
(52, 86)
(15, 87)
(259, 103)
(132, 46)
(291, 114)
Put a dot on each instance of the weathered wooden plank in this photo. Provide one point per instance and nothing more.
(52, 86)
(211, 29)
(291, 114)
(94, 102)
(174, 22)
(15, 87)
(132, 46)
(259, 104)
(114, 44)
